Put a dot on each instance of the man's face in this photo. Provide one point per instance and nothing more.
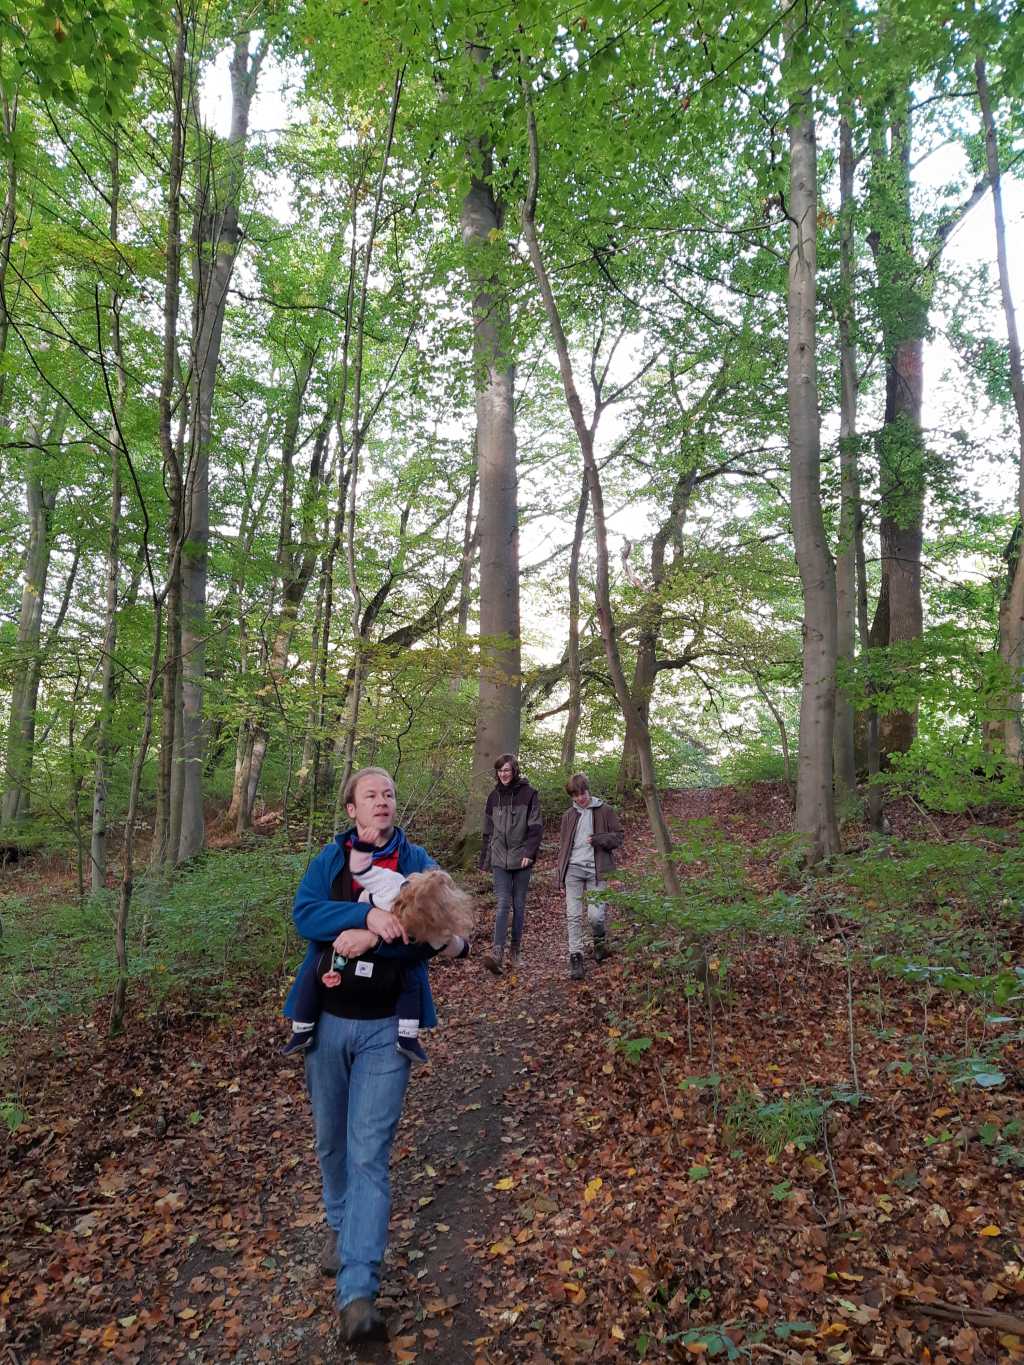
(505, 774)
(372, 808)
(582, 799)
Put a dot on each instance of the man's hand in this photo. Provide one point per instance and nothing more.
(387, 925)
(355, 942)
(526, 862)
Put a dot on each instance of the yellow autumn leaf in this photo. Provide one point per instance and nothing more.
(187, 1314)
(590, 1193)
(617, 1333)
(507, 1183)
(641, 1277)
(501, 1248)
(990, 1231)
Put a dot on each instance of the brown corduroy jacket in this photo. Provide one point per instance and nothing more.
(608, 836)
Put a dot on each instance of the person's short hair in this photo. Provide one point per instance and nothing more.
(577, 784)
(502, 759)
(353, 783)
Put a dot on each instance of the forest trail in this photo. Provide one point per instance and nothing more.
(466, 1118)
(189, 1224)
(572, 1177)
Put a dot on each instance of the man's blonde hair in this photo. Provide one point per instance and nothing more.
(352, 785)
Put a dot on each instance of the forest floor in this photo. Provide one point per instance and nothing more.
(584, 1172)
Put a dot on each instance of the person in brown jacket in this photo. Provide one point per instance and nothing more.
(589, 834)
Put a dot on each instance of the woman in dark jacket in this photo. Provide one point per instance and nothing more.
(511, 839)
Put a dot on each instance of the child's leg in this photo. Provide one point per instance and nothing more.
(410, 1011)
(307, 1009)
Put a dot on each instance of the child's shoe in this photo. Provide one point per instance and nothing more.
(298, 1042)
(412, 1048)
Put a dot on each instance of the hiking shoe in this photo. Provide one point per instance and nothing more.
(576, 966)
(413, 1049)
(360, 1321)
(330, 1261)
(298, 1042)
(514, 957)
(601, 949)
(492, 961)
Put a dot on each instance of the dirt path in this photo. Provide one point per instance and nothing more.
(466, 1114)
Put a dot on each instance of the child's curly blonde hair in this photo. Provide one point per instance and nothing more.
(432, 907)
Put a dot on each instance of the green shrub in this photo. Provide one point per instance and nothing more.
(797, 1119)
(223, 923)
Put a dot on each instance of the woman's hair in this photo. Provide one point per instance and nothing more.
(502, 759)
(577, 784)
(431, 906)
(354, 781)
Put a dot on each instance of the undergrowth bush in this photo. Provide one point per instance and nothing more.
(223, 922)
(796, 1119)
(947, 914)
(719, 903)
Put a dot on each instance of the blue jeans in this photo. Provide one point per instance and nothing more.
(510, 890)
(356, 1079)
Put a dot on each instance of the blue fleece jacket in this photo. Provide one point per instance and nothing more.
(321, 920)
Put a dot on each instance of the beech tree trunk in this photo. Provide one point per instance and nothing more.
(849, 511)
(1011, 609)
(40, 497)
(166, 607)
(500, 701)
(636, 731)
(815, 806)
(652, 611)
(98, 842)
(899, 616)
(574, 669)
(216, 238)
(8, 221)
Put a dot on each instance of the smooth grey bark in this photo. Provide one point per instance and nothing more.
(1011, 608)
(8, 222)
(295, 563)
(360, 626)
(652, 611)
(216, 238)
(899, 614)
(849, 508)
(662, 570)
(499, 706)
(574, 670)
(127, 886)
(469, 544)
(636, 731)
(815, 804)
(98, 838)
(167, 605)
(41, 498)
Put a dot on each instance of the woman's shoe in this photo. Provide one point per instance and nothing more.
(492, 961)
